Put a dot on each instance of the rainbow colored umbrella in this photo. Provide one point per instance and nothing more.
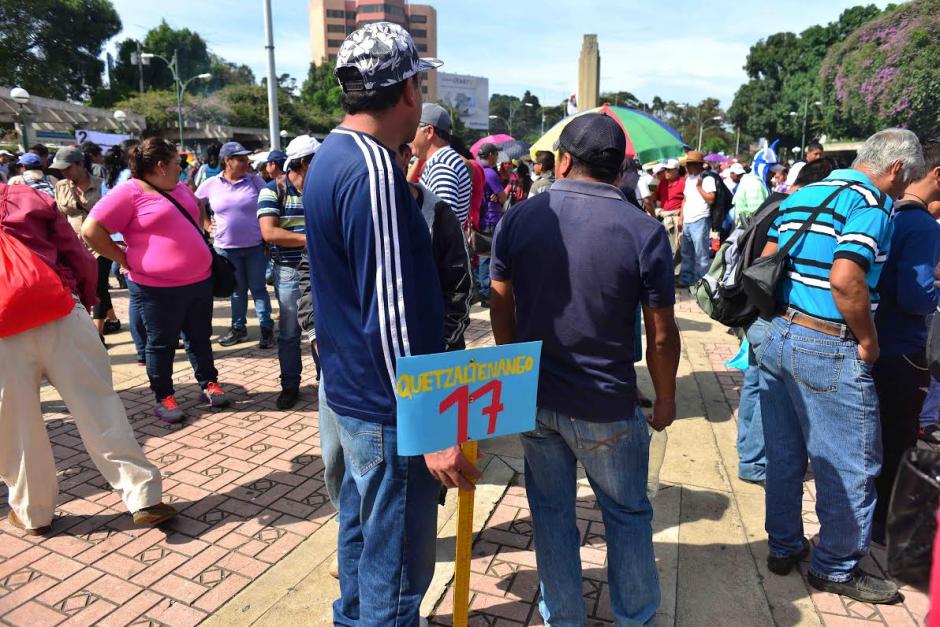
(648, 139)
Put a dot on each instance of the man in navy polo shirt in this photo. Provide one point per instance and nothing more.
(908, 296)
(376, 297)
(817, 394)
(570, 268)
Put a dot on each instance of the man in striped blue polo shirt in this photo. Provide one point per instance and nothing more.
(281, 215)
(817, 394)
(445, 172)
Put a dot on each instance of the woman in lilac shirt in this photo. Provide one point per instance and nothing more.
(168, 265)
(232, 197)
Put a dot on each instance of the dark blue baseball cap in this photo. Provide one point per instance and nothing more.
(233, 149)
(594, 138)
(276, 156)
(30, 159)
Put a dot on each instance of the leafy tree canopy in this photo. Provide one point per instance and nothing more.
(886, 74)
(51, 47)
(783, 71)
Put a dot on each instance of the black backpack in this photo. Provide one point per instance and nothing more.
(719, 293)
(719, 209)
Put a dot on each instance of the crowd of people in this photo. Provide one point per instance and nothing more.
(378, 241)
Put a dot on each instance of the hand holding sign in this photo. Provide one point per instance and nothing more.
(452, 468)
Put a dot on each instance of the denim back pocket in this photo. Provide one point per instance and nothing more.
(362, 444)
(603, 437)
(815, 370)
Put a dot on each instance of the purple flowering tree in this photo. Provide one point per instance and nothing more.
(886, 73)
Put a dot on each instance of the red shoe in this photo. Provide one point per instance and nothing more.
(215, 396)
(168, 410)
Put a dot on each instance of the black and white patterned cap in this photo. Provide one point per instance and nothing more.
(378, 55)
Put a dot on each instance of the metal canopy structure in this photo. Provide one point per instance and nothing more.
(45, 114)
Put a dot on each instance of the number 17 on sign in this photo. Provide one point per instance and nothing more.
(462, 398)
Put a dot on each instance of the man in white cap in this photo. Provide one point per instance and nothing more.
(281, 216)
(669, 195)
(445, 173)
(377, 297)
(735, 172)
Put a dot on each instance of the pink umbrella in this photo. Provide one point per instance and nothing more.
(489, 139)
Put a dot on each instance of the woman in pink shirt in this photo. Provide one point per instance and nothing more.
(168, 267)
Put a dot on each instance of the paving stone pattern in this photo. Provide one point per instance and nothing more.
(248, 483)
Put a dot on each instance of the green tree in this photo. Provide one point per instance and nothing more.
(51, 47)
(159, 108)
(885, 73)
(621, 99)
(226, 73)
(783, 71)
(190, 47)
(320, 90)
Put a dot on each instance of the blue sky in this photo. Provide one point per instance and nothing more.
(683, 50)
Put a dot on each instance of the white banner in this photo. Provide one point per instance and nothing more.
(469, 95)
(105, 140)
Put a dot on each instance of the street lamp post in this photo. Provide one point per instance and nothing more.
(21, 97)
(179, 85)
(805, 115)
(512, 112)
(701, 128)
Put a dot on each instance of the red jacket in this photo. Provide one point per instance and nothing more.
(32, 218)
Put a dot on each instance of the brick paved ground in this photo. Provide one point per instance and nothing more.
(504, 586)
(248, 483)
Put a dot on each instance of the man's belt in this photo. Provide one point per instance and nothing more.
(835, 329)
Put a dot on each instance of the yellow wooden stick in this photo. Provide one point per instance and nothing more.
(464, 545)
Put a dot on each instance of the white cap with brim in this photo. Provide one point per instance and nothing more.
(737, 168)
(794, 172)
(671, 164)
(300, 147)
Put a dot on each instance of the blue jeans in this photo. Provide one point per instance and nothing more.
(135, 321)
(250, 265)
(930, 414)
(166, 312)
(287, 289)
(615, 456)
(752, 461)
(818, 400)
(695, 250)
(387, 528)
(483, 276)
(331, 451)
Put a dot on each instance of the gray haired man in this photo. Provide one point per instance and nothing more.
(818, 398)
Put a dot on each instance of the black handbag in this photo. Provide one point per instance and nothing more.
(759, 280)
(481, 243)
(223, 272)
(912, 518)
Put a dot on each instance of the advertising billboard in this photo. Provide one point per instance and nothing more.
(469, 95)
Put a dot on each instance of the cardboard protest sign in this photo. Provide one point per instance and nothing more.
(449, 398)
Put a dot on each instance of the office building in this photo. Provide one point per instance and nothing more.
(332, 20)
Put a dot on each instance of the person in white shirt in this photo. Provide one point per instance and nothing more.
(700, 192)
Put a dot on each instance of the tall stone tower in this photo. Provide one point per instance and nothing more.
(589, 73)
